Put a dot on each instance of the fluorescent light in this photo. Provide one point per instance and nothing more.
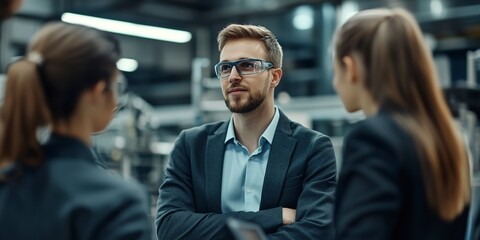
(436, 6)
(127, 28)
(347, 10)
(127, 64)
(303, 18)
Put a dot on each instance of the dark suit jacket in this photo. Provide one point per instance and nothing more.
(476, 229)
(381, 193)
(300, 174)
(70, 197)
(475, 214)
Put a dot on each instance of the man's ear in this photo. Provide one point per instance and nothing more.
(352, 68)
(277, 75)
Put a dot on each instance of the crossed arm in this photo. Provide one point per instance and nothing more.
(178, 218)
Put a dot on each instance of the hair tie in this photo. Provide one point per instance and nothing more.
(35, 57)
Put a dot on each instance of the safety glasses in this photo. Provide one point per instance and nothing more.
(120, 87)
(244, 67)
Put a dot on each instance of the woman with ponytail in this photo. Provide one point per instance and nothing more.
(53, 189)
(405, 172)
(8, 8)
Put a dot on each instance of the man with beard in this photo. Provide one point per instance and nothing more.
(258, 166)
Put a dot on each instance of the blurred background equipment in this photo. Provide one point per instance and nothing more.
(172, 85)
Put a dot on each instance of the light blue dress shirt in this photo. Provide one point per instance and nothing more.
(243, 174)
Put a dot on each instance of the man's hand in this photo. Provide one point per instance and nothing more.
(288, 215)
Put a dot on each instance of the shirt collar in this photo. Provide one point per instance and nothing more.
(267, 134)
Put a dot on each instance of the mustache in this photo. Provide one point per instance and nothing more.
(236, 87)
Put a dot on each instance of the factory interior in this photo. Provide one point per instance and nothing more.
(171, 83)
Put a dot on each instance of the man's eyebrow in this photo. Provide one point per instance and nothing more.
(238, 59)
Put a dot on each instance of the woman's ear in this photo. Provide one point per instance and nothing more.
(99, 88)
(351, 67)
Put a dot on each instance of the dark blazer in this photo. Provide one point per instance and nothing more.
(476, 227)
(381, 193)
(300, 174)
(475, 214)
(70, 197)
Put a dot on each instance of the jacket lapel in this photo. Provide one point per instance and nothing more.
(214, 167)
(278, 162)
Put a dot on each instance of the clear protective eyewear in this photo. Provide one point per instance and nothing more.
(121, 86)
(248, 66)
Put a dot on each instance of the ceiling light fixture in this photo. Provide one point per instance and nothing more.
(347, 10)
(303, 18)
(436, 6)
(127, 64)
(127, 28)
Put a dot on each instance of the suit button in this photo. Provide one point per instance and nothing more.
(249, 190)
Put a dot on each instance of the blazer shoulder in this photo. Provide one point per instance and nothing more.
(85, 180)
(205, 129)
(380, 133)
(104, 199)
(381, 125)
(295, 129)
(301, 132)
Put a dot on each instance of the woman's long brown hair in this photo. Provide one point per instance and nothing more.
(400, 75)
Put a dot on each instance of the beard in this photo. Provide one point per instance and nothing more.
(252, 103)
